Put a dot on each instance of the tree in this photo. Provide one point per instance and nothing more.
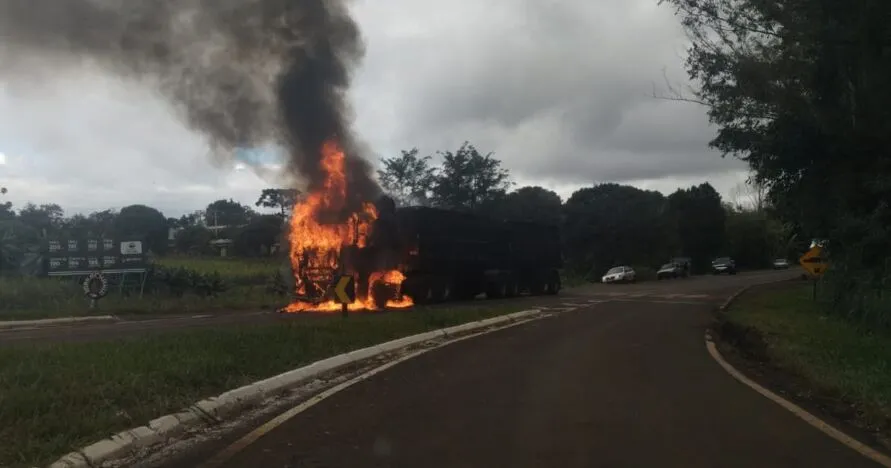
(45, 218)
(750, 194)
(258, 237)
(532, 204)
(409, 179)
(699, 217)
(610, 224)
(6, 211)
(468, 180)
(193, 240)
(143, 222)
(283, 199)
(799, 91)
(228, 213)
(753, 239)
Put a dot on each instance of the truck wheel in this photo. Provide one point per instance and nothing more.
(552, 287)
(443, 291)
(513, 288)
(537, 287)
(496, 289)
(422, 292)
(381, 293)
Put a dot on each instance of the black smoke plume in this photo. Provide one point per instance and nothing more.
(241, 72)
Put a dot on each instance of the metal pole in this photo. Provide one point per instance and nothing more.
(815, 290)
(344, 310)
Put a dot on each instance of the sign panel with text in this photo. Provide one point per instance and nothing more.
(81, 256)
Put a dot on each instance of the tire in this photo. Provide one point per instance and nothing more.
(513, 288)
(443, 291)
(381, 293)
(496, 289)
(537, 288)
(423, 292)
(553, 285)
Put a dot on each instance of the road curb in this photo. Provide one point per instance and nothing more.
(799, 412)
(8, 324)
(216, 409)
(852, 443)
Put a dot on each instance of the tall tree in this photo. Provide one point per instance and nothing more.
(468, 179)
(408, 178)
(194, 239)
(258, 237)
(531, 204)
(6, 211)
(798, 89)
(228, 213)
(699, 217)
(281, 199)
(143, 222)
(45, 218)
(610, 224)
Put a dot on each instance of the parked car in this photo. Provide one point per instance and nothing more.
(781, 264)
(684, 263)
(670, 270)
(620, 274)
(723, 265)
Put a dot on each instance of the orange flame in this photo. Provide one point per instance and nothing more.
(315, 247)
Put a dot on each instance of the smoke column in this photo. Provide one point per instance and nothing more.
(241, 72)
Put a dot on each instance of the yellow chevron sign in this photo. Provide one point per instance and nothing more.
(345, 289)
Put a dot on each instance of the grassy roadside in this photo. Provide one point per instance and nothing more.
(56, 398)
(828, 362)
(40, 298)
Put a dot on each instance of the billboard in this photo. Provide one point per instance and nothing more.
(71, 257)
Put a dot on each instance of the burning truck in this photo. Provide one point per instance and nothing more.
(402, 256)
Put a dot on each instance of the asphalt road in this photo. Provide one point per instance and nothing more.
(623, 381)
(676, 290)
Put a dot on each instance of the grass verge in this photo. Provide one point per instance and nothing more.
(39, 298)
(57, 398)
(822, 361)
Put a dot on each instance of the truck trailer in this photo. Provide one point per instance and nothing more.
(447, 255)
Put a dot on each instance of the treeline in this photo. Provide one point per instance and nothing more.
(252, 233)
(801, 93)
(603, 225)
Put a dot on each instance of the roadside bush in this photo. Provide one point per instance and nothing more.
(180, 281)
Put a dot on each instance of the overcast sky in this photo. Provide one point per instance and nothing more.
(561, 91)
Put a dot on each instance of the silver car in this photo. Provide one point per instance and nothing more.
(620, 274)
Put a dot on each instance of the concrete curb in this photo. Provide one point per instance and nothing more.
(56, 321)
(215, 409)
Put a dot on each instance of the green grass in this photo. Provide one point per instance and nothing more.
(235, 270)
(37, 298)
(830, 353)
(56, 398)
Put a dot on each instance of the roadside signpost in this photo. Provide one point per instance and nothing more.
(814, 264)
(344, 292)
(89, 257)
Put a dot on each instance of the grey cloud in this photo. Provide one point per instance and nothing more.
(559, 90)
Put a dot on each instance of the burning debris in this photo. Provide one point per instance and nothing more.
(243, 73)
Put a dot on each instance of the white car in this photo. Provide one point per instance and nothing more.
(619, 274)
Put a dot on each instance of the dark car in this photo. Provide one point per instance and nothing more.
(723, 265)
(684, 264)
(669, 270)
